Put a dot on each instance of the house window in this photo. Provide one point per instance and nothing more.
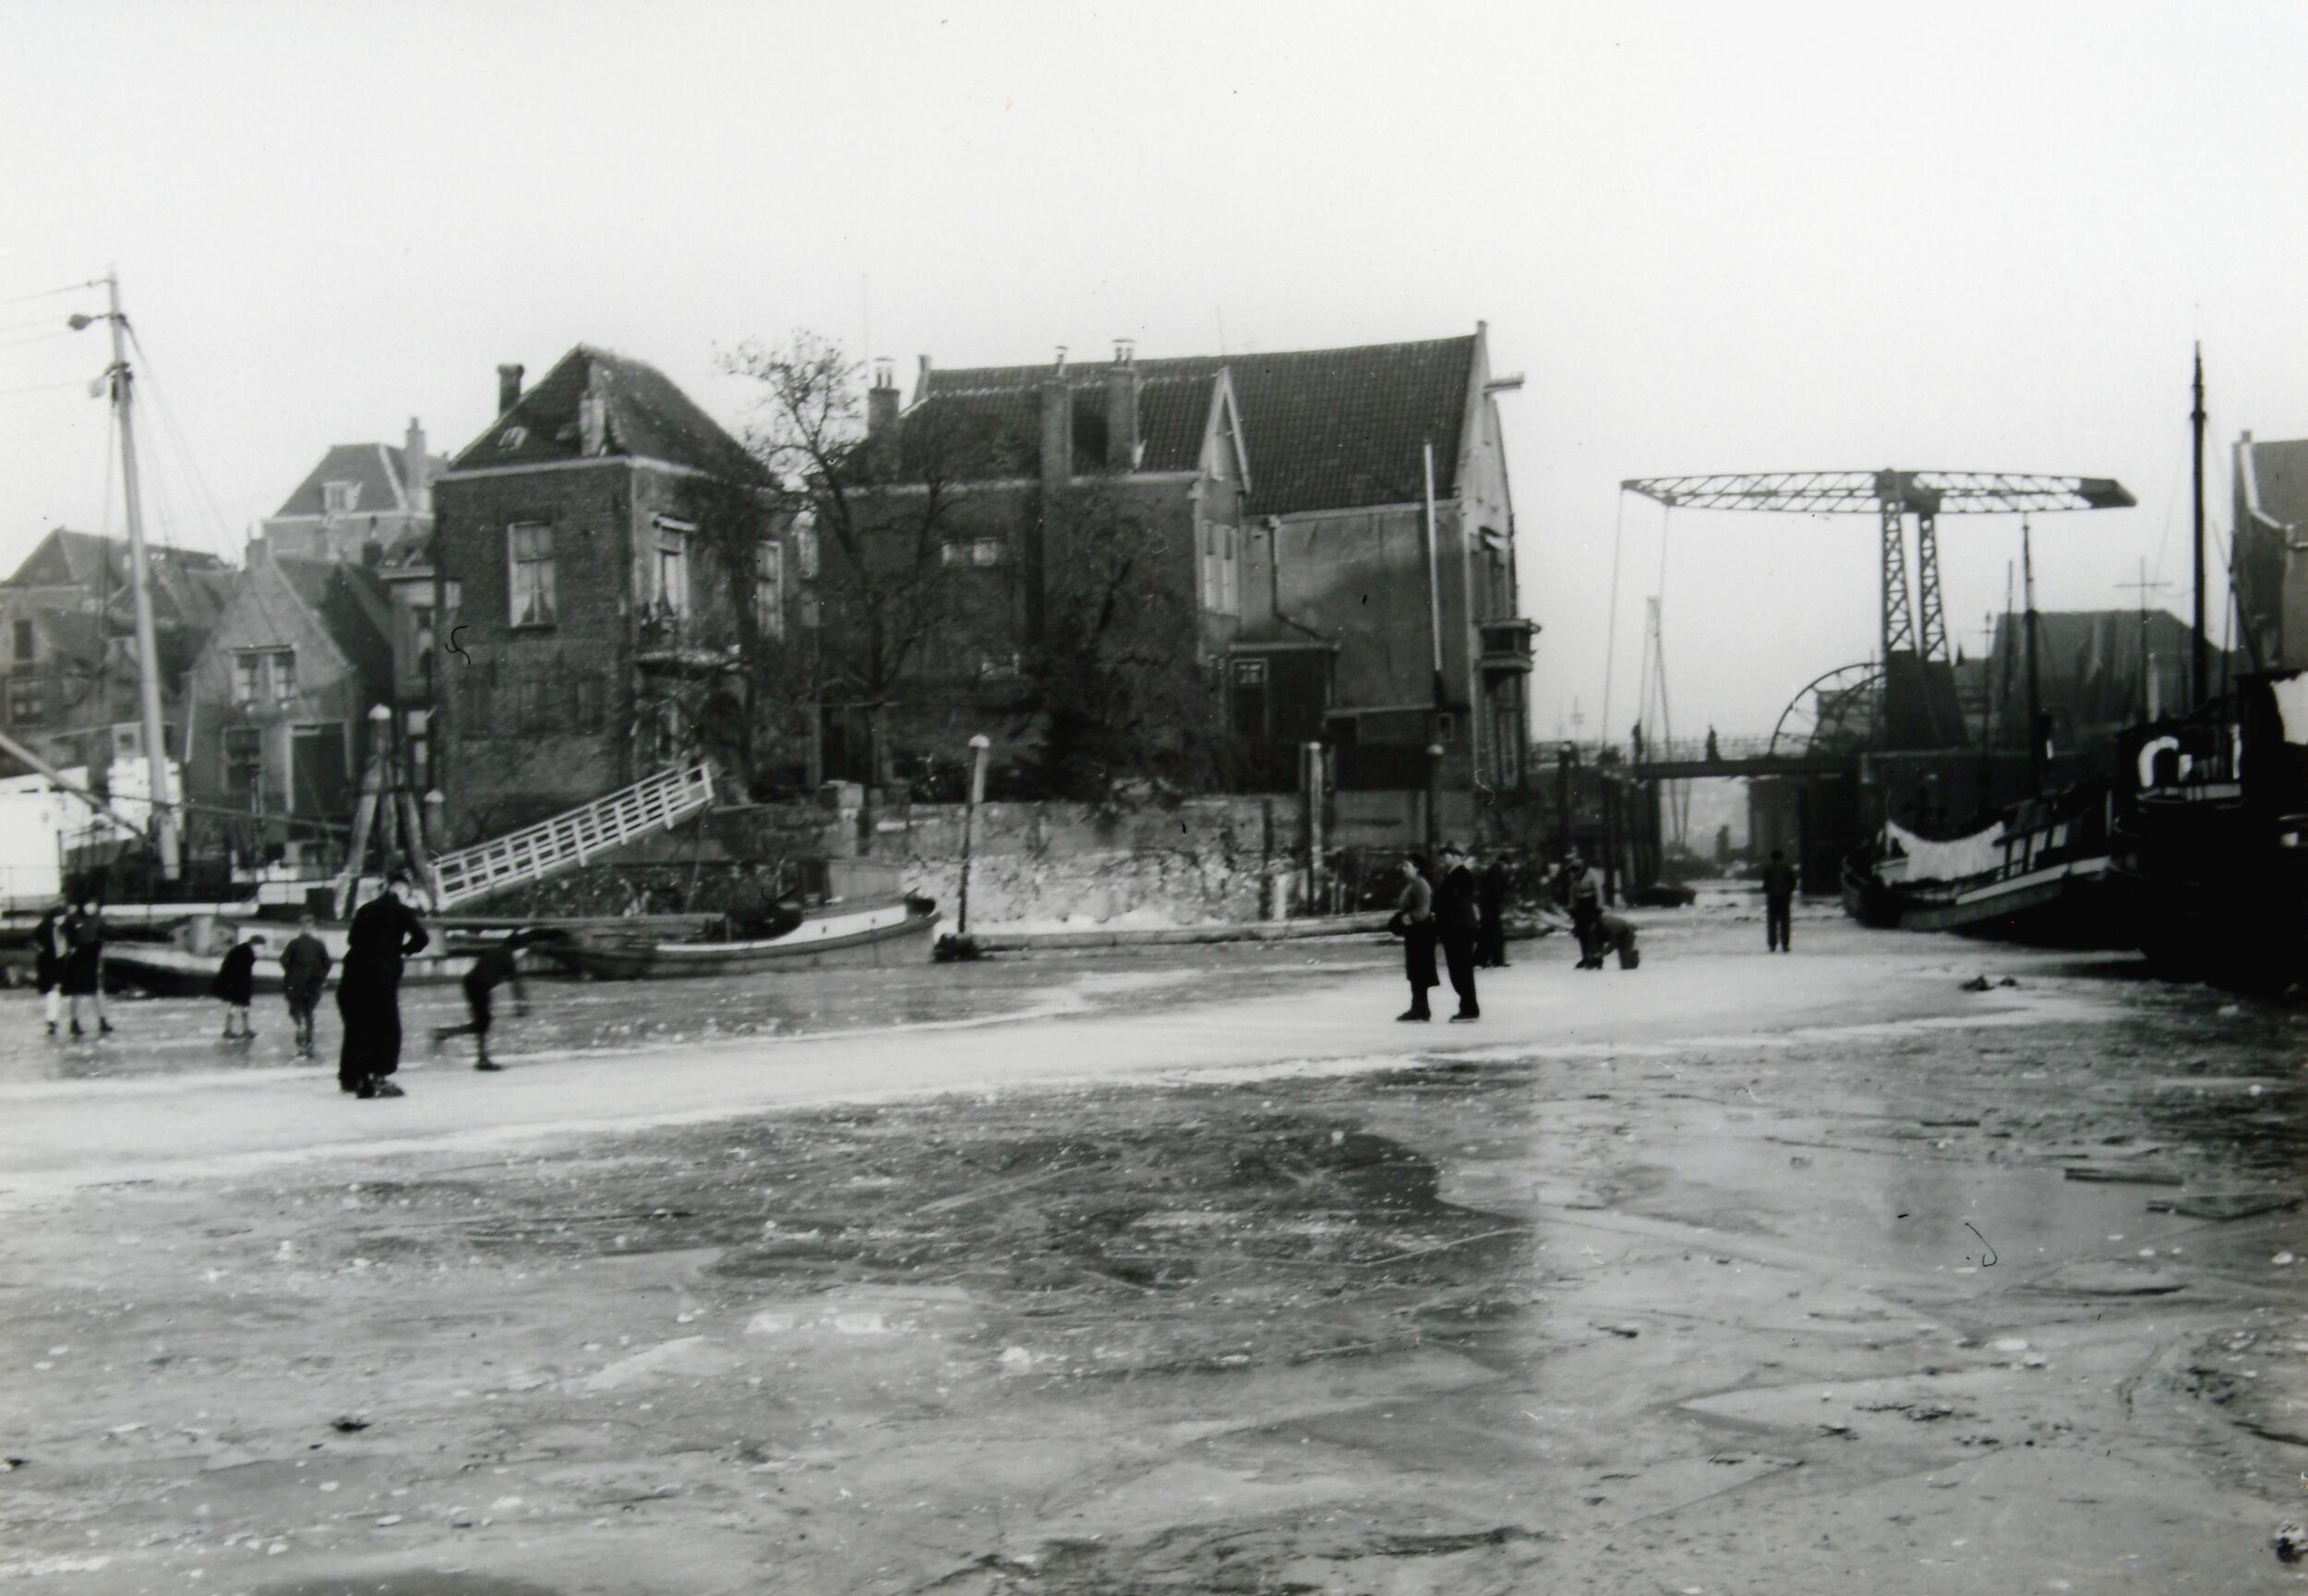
(769, 590)
(671, 588)
(243, 764)
(421, 641)
(260, 675)
(805, 549)
(26, 704)
(531, 550)
(981, 551)
(339, 498)
(24, 647)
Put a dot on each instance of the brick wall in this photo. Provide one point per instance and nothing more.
(540, 720)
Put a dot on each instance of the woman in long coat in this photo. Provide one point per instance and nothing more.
(1415, 923)
(384, 932)
(83, 973)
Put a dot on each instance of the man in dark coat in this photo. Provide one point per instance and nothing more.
(235, 983)
(83, 972)
(493, 968)
(303, 972)
(1491, 899)
(1779, 903)
(1415, 923)
(1458, 921)
(48, 953)
(384, 932)
(1585, 891)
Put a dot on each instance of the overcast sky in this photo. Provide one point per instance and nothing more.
(1736, 238)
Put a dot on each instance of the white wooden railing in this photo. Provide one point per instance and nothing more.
(569, 839)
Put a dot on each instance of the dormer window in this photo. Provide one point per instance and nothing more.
(512, 437)
(339, 498)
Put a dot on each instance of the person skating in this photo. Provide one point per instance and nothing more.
(83, 972)
(303, 972)
(1491, 900)
(1584, 890)
(1613, 934)
(494, 966)
(1779, 903)
(235, 983)
(48, 956)
(384, 932)
(1458, 921)
(1415, 923)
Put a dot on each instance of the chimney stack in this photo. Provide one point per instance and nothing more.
(922, 381)
(416, 471)
(881, 399)
(1121, 408)
(508, 386)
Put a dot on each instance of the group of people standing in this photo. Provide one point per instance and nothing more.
(68, 963)
(1462, 911)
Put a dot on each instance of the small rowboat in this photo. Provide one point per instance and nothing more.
(836, 934)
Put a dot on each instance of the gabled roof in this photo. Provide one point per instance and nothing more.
(378, 473)
(991, 433)
(68, 558)
(1324, 429)
(647, 415)
(351, 603)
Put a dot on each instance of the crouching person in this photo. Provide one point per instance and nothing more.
(1613, 934)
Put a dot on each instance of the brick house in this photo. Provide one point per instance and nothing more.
(1321, 608)
(68, 676)
(372, 504)
(280, 697)
(1046, 470)
(569, 572)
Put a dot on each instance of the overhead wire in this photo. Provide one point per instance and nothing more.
(1610, 630)
(53, 292)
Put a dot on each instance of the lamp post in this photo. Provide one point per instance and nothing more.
(978, 746)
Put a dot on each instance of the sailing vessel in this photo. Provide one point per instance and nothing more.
(2036, 873)
(2211, 827)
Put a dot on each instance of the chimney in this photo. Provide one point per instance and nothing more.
(882, 404)
(507, 386)
(1121, 408)
(922, 381)
(416, 471)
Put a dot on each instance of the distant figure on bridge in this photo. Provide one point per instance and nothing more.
(1714, 753)
(1779, 903)
(1636, 737)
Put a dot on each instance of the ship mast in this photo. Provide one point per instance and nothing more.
(140, 589)
(2199, 668)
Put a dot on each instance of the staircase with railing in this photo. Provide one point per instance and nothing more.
(569, 839)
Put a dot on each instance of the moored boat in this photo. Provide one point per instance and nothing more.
(2036, 874)
(872, 934)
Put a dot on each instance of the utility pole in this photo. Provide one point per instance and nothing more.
(140, 589)
(2198, 665)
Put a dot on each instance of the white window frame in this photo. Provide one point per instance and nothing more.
(540, 569)
(669, 583)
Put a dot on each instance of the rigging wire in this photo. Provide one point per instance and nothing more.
(183, 445)
(36, 338)
(1610, 631)
(41, 387)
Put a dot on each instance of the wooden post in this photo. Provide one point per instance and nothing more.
(978, 746)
